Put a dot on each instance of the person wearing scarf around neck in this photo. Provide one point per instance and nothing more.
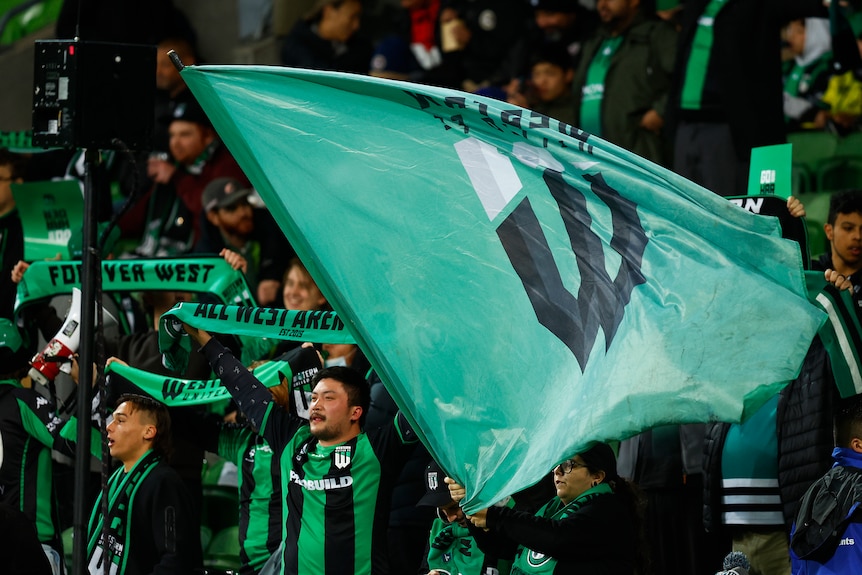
(593, 525)
(148, 527)
(827, 535)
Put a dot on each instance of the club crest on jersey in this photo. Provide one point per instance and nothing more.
(536, 559)
(341, 456)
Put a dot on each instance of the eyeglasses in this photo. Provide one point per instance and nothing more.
(569, 464)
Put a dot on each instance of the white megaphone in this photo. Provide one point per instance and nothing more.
(59, 351)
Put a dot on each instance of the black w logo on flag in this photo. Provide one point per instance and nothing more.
(600, 301)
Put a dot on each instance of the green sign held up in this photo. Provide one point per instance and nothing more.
(50, 213)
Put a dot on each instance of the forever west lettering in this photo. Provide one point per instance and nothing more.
(131, 272)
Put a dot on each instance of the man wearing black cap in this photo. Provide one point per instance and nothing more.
(233, 224)
(452, 548)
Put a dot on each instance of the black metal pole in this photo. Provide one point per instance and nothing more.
(91, 268)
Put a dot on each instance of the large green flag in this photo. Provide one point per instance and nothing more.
(523, 288)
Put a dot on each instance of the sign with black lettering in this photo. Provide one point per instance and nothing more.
(50, 213)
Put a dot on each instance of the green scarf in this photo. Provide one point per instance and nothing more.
(254, 322)
(122, 488)
(45, 279)
(696, 68)
(528, 561)
(175, 392)
(841, 334)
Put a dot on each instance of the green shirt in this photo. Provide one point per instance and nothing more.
(260, 507)
(698, 59)
(593, 91)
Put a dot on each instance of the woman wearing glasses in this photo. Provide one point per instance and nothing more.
(593, 525)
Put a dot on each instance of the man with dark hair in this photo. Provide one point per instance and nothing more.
(844, 232)
(827, 536)
(337, 478)
(149, 526)
(326, 38)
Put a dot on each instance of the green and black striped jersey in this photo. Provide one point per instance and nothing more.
(27, 421)
(337, 497)
(260, 500)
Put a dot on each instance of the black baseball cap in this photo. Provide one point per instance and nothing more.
(436, 490)
(223, 193)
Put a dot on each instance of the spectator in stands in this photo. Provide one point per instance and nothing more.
(328, 457)
(173, 209)
(300, 292)
(326, 39)
(451, 547)
(844, 232)
(19, 544)
(148, 522)
(11, 233)
(171, 89)
(622, 82)
(550, 87)
(844, 96)
(806, 76)
(560, 22)
(726, 95)
(141, 350)
(413, 51)
(29, 428)
(476, 36)
(252, 233)
(259, 476)
(826, 537)
(593, 525)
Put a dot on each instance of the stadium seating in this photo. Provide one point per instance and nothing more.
(220, 507)
(223, 551)
(18, 18)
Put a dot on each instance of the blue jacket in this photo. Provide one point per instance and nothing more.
(827, 536)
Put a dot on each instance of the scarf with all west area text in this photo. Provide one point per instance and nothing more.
(111, 557)
(256, 322)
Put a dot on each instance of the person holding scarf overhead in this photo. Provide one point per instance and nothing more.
(593, 525)
(148, 527)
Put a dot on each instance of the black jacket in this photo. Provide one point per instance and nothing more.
(745, 65)
(804, 424)
(302, 48)
(598, 538)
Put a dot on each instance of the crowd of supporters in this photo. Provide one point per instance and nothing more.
(693, 86)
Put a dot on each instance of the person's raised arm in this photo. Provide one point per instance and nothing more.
(275, 424)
